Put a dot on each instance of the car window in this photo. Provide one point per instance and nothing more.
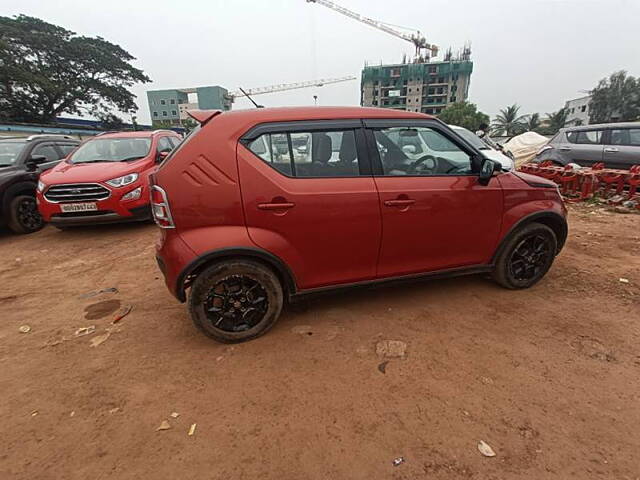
(420, 151)
(48, 150)
(66, 148)
(9, 152)
(585, 137)
(112, 150)
(164, 145)
(626, 136)
(175, 141)
(309, 154)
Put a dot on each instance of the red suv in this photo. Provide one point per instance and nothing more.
(260, 206)
(104, 180)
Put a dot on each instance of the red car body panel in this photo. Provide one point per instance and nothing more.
(68, 173)
(334, 231)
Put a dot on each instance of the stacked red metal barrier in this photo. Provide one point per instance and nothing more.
(577, 184)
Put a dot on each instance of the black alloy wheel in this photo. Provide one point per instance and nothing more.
(236, 303)
(24, 216)
(530, 257)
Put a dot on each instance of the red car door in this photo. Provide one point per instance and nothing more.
(435, 214)
(309, 198)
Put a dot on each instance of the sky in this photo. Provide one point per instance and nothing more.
(536, 53)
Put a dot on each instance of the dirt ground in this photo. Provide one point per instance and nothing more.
(548, 377)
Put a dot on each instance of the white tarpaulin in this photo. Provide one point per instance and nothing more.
(524, 147)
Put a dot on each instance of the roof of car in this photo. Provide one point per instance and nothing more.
(604, 125)
(282, 114)
(133, 134)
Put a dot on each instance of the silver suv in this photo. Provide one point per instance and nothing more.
(615, 144)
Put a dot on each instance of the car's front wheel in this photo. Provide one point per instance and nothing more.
(526, 257)
(23, 215)
(236, 300)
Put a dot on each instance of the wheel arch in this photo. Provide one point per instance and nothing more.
(196, 266)
(18, 188)
(553, 220)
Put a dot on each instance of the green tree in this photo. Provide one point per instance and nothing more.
(463, 114)
(616, 98)
(508, 122)
(532, 122)
(46, 71)
(109, 121)
(555, 121)
(189, 123)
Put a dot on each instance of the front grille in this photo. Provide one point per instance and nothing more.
(76, 192)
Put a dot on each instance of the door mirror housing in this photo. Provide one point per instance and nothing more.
(162, 155)
(487, 169)
(33, 162)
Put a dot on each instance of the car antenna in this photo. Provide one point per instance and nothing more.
(251, 99)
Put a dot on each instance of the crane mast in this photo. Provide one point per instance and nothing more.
(415, 38)
(288, 86)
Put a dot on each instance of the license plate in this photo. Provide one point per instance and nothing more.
(79, 207)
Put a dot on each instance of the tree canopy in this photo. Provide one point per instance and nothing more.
(532, 122)
(46, 71)
(463, 114)
(555, 121)
(616, 98)
(508, 122)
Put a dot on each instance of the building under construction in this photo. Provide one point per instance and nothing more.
(417, 87)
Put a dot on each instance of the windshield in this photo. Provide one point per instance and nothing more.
(9, 152)
(111, 150)
(472, 138)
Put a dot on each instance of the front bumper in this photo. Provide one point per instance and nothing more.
(137, 214)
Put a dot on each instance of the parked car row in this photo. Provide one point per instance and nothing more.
(103, 180)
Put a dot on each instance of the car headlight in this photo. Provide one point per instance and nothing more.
(122, 181)
(41, 186)
(133, 194)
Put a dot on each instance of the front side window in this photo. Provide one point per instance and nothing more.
(585, 137)
(66, 148)
(420, 151)
(309, 154)
(9, 152)
(111, 150)
(48, 150)
(164, 145)
(626, 136)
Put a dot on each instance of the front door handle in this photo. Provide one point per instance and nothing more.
(276, 206)
(565, 149)
(405, 202)
(611, 150)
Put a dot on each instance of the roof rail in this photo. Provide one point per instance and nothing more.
(45, 135)
(108, 131)
(163, 130)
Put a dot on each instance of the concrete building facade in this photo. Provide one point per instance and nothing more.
(169, 107)
(577, 111)
(416, 87)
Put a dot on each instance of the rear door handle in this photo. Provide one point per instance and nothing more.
(399, 202)
(565, 149)
(611, 150)
(276, 206)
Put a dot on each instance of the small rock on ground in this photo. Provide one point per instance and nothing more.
(391, 349)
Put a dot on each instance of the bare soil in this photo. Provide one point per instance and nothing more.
(548, 377)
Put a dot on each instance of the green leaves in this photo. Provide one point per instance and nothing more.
(463, 114)
(508, 122)
(615, 99)
(46, 71)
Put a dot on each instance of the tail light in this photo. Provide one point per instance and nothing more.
(160, 208)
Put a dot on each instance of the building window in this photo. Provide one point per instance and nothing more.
(433, 69)
(583, 108)
(174, 113)
(155, 114)
(395, 72)
(172, 101)
(164, 113)
(163, 102)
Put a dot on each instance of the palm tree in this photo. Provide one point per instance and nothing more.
(532, 123)
(556, 120)
(508, 122)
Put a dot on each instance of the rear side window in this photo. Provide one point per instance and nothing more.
(164, 145)
(309, 154)
(586, 137)
(626, 136)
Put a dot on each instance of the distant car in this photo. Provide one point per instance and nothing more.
(487, 150)
(615, 144)
(22, 159)
(105, 180)
(261, 206)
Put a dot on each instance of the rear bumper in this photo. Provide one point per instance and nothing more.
(172, 254)
(137, 214)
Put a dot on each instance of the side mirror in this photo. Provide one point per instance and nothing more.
(488, 168)
(162, 155)
(33, 162)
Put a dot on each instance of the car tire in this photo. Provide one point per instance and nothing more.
(23, 215)
(235, 300)
(526, 257)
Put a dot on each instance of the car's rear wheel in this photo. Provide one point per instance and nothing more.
(24, 216)
(526, 257)
(235, 301)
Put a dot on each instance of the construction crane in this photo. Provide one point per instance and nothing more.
(288, 86)
(415, 38)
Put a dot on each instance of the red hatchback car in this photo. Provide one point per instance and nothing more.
(260, 206)
(105, 180)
